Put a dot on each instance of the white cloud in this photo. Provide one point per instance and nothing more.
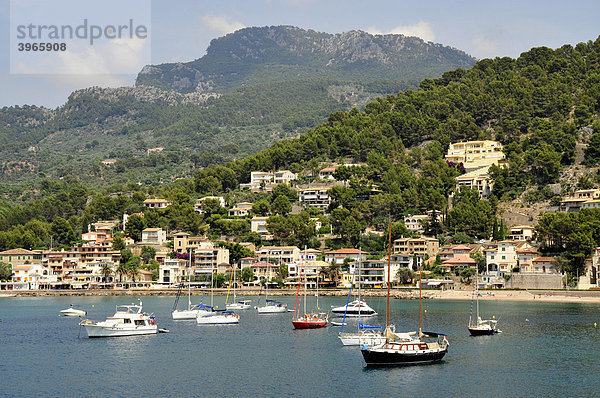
(421, 29)
(488, 44)
(219, 25)
(117, 56)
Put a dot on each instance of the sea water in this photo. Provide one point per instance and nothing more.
(545, 349)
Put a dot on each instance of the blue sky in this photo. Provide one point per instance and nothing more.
(182, 29)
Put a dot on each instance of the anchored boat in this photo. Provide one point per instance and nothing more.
(404, 348)
(72, 311)
(128, 320)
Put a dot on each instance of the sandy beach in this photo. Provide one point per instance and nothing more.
(563, 296)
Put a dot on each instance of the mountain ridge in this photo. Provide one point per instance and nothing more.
(290, 52)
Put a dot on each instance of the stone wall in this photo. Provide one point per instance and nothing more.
(535, 281)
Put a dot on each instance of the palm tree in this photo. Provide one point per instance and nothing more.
(106, 270)
(122, 269)
(133, 271)
(333, 271)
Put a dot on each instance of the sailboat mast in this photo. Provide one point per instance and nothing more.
(298, 290)
(189, 279)
(359, 258)
(305, 279)
(477, 291)
(387, 316)
(420, 279)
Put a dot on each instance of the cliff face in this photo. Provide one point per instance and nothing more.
(278, 53)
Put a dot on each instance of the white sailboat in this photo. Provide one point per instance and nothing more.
(371, 335)
(478, 326)
(271, 306)
(237, 305)
(192, 311)
(216, 316)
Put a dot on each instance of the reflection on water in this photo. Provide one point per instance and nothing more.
(542, 347)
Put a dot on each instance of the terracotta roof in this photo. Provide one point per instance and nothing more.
(527, 251)
(459, 259)
(264, 264)
(543, 259)
(13, 252)
(461, 247)
(346, 251)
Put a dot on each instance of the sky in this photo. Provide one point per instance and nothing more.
(181, 30)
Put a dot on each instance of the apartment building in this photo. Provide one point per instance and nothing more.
(421, 247)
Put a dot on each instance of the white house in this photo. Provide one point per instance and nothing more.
(259, 225)
(338, 256)
(157, 203)
(154, 236)
(172, 271)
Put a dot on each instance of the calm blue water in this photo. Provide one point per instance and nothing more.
(555, 353)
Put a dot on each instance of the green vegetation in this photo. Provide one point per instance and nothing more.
(537, 106)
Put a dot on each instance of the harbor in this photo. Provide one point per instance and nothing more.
(265, 356)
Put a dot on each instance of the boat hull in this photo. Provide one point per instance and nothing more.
(356, 339)
(271, 309)
(353, 313)
(187, 314)
(395, 358)
(312, 324)
(103, 331)
(238, 306)
(72, 312)
(218, 320)
(481, 331)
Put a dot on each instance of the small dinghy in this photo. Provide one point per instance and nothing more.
(72, 311)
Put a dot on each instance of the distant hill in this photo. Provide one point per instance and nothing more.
(277, 53)
(253, 88)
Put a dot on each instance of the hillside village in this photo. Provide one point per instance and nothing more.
(166, 258)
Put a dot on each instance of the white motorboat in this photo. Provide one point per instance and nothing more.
(272, 307)
(240, 305)
(356, 308)
(218, 317)
(72, 311)
(128, 320)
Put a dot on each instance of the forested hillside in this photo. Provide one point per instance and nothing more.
(253, 88)
(539, 106)
(194, 130)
